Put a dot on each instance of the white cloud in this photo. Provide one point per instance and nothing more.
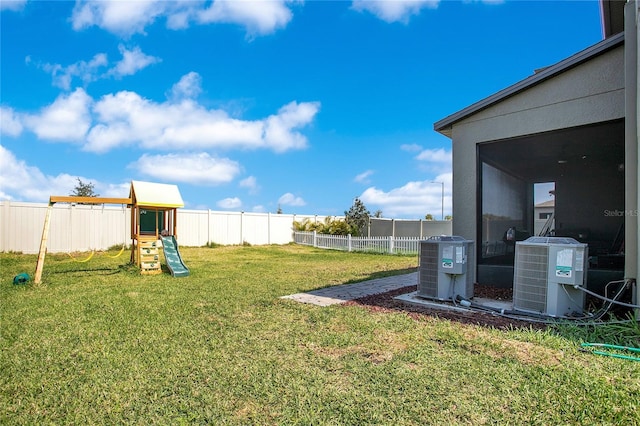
(15, 5)
(114, 190)
(127, 118)
(22, 182)
(278, 128)
(436, 160)
(230, 203)
(86, 71)
(9, 122)
(413, 200)
(132, 61)
(289, 199)
(124, 18)
(251, 184)
(439, 155)
(66, 119)
(258, 17)
(394, 10)
(189, 87)
(200, 169)
(258, 209)
(364, 177)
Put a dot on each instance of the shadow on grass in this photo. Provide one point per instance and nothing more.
(94, 270)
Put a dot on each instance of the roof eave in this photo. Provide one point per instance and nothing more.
(445, 125)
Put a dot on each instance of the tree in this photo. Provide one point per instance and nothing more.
(448, 217)
(428, 216)
(279, 211)
(378, 213)
(84, 190)
(358, 217)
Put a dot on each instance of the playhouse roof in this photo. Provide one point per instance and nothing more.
(152, 194)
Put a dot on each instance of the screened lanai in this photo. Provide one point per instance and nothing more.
(563, 126)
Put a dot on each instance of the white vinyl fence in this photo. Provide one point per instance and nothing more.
(392, 245)
(382, 227)
(76, 227)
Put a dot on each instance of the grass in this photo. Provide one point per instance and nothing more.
(97, 343)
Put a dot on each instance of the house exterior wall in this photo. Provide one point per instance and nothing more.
(589, 93)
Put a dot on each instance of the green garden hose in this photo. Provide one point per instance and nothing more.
(613, 354)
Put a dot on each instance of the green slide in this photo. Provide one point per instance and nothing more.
(172, 255)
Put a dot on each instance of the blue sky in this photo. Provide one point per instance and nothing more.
(255, 105)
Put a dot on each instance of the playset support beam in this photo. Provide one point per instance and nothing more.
(155, 197)
(47, 220)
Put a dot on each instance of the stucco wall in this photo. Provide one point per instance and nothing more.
(592, 92)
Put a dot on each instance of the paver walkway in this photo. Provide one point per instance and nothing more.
(343, 293)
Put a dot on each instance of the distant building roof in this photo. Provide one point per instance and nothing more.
(550, 203)
(152, 194)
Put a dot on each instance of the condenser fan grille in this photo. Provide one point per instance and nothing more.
(428, 271)
(530, 278)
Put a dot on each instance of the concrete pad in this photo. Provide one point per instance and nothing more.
(507, 305)
(414, 299)
(314, 299)
(346, 292)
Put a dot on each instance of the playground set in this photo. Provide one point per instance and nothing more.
(153, 225)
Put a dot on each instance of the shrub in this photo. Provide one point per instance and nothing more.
(329, 226)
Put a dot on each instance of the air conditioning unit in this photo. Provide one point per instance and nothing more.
(445, 268)
(545, 273)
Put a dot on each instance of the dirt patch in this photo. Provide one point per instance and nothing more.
(385, 302)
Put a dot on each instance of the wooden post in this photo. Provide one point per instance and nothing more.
(175, 223)
(43, 245)
(134, 236)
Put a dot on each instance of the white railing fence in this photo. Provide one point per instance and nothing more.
(392, 245)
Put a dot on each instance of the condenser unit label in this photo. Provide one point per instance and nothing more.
(447, 257)
(564, 263)
(459, 255)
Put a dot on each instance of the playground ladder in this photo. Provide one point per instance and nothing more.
(148, 255)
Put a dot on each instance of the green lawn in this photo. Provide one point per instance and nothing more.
(97, 343)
